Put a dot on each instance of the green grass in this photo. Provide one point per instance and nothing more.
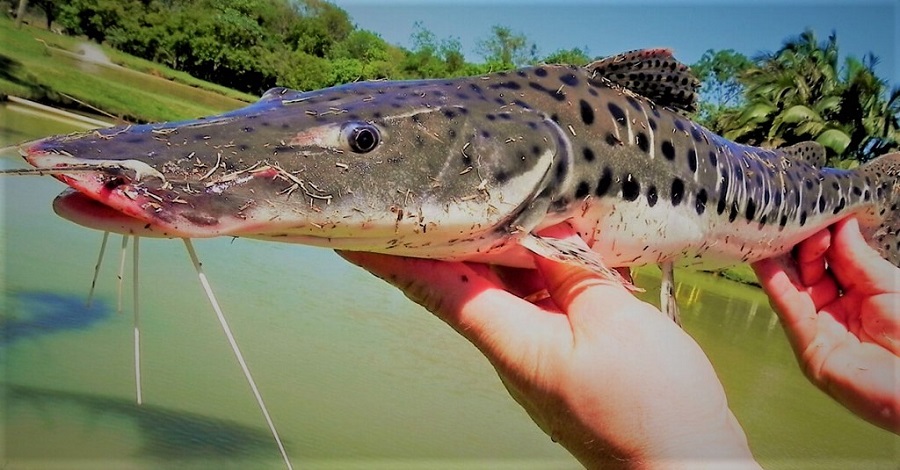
(35, 64)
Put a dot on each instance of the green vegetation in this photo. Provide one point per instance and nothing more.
(802, 93)
(42, 66)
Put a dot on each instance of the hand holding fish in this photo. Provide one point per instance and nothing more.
(839, 303)
(604, 374)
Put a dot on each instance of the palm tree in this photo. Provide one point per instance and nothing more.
(802, 93)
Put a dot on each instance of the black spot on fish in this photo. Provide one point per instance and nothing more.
(521, 73)
(449, 114)
(135, 139)
(505, 116)
(633, 102)
(738, 173)
(679, 124)
(732, 216)
(783, 222)
(569, 79)
(630, 188)
(604, 183)
(501, 177)
(692, 160)
(588, 154)
(652, 196)
(535, 150)
(723, 192)
(616, 112)
(700, 203)
(612, 140)
(802, 218)
(677, 191)
(462, 95)
(587, 113)
(821, 203)
(555, 118)
(491, 117)
(474, 87)
(866, 196)
(840, 206)
(486, 134)
(695, 133)
(510, 85)
(857, 191)
(808, 183)
(540, 72)
(464, 278)
(582, 190)
(500, 101)
(592, 92)
(751, 209)
(555, 94)
(652, 123)
(713, 159)
(521, 104)
(561, 168)
(668, 150)
(643, 142)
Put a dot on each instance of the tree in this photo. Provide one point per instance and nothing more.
(802, 93)
(574, 56)
(721, 89)
(506, 50)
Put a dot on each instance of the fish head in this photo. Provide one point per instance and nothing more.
(369, 166)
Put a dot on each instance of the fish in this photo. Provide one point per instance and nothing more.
(475, 169)
(471, 169)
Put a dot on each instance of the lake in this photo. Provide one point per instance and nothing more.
(354, 374)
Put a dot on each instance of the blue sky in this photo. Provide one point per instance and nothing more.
(608, 27)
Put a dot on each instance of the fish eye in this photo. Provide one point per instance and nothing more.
(362, 137)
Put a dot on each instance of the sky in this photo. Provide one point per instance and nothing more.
(607, 27)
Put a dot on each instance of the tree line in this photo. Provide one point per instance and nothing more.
(803, 91)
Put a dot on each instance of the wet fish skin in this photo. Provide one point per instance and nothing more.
(466, 168)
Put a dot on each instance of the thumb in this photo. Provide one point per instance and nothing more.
(856, 264)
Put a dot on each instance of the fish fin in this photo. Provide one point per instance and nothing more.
(652, 73)
(567, 252)
(667, 302)
(809, 152)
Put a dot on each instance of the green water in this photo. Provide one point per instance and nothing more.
(355, 376)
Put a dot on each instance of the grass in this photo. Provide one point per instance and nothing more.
(43, 66)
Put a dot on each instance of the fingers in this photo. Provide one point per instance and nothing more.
(494, 320)
(810, 256)
(786, 292)
(856, 265)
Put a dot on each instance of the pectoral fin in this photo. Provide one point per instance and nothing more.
(574, 254)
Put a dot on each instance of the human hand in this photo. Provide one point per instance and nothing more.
(839, 303)
(607, 376)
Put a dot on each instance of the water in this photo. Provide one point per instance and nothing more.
(355, 376)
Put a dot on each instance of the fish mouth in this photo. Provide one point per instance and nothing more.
(130, 197)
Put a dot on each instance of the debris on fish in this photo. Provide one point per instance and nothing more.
(474, 169)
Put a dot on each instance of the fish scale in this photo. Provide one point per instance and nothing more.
(475, 169)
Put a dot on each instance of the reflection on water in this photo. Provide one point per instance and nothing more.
(32, 314)
(354, 374)
(159, 433)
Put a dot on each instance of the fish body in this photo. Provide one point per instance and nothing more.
(474, 169)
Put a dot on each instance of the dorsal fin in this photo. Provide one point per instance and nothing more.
(809, 152)
(652, 73)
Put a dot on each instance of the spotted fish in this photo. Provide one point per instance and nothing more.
(474, 169)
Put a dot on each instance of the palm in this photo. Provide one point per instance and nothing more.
(838, 302)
